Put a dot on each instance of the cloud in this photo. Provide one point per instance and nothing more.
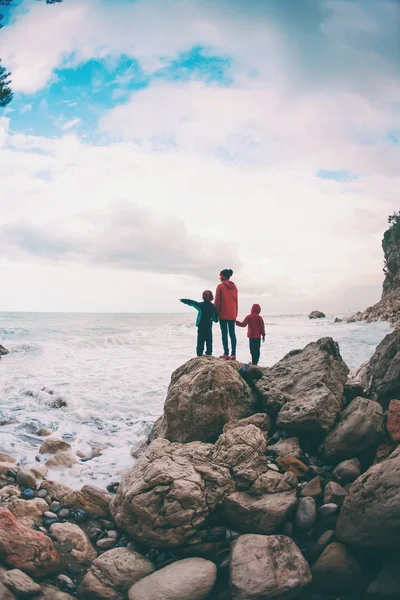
(125, 237)
(70, 124)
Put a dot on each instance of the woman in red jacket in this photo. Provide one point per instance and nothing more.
(226, 304)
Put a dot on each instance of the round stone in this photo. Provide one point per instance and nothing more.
(63, 513)
(326, 510)
(106, 543)
(42, 494)
(80, 516)
(28, 494)
(112, 487)
(50, 515)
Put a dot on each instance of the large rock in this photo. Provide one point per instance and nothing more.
(337, 571)
(53, 446)
(267, 567)
(370, 514)
(20, 583)
(113, 573)
(359, 427)
(316, 314)
(69, 533)
(173, 488)
(25, 549)
(3, 351)
(393, 421)
(204, 394)
(90, 498)
(188, 579)
(305, 388)
(386, 585)
(5, 592)
(383, 370)
(29, 512)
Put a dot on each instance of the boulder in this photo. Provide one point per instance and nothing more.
(347, 471)
(316, 314)
(305, 514)
(173, 488)
(305, 388)
(337, 571)
(285, 447)
(187, 579)
(29, 512)
(370, 514)
(26, 478)
(7, 458)
(267, 566)
(5, 592)
(113, 573)
(393, 421)
(386, 585)
(204, 395)
(3, 351)
(260, 420)
(26, 549)
(383, 371)
(56, 490)
(81, 548)
(335, 493)
(53, 446)
(61, 459)
(259, 514)
(20, 583)
(90, 498)
(359, 427)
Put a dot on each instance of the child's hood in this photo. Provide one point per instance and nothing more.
(256, 309)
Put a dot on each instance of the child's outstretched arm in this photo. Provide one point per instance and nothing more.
(190, 303)
(243, 323)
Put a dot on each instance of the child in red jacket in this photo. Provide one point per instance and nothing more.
(255, 331)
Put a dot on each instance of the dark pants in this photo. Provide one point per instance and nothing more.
(225, 327)
(255, 344)
(204, 336)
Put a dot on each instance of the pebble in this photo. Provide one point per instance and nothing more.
(28, 494)
(42, 494)
(80, 515)
(63, 513)
(49, 522)
(94, 534)
(11, 473)
(106, 543)
(107, 524)
(112, 534)
(112, 487)
(306, 514)
(273, 467)
(50, 515)
(43, 530)
(327, 509)
(66, 581)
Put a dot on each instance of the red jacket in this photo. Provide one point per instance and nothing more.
(226, 301)
(255, 323)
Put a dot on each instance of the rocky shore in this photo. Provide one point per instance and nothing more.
(255, 483)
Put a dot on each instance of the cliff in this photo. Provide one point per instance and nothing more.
(388, 308)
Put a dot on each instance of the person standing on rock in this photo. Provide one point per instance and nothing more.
(206, 315)
(226, 304)
(255, 331)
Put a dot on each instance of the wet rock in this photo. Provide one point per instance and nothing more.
(56, 490)
(289, 463)
(267, 567)
(9, 492)
(26, 549)
(3, 351)
(61, 459)
(259, 514)
(5, 592)
(334, 492)
(112, 487)
(5, 457)
(347, 471)
(285, 447)
(70, 533)
(50, 592)
(63, 513)
(359, 427)
(79, 515)
(91, 499)
(337, 571)
(113, 573)
(106, 543)
(42, 432)
(316, 314)
(305, 388)
(313, 488)
(28, 512)
(204, 395)
(28, 494)
(305, 514)
(189, 578)
(40, 471)
(393, 421)
(320, 545)
(383, 370)
(386, 585)
(326, 510)
(26, 478)
(370, 514)
(20, 583)
(53, 446)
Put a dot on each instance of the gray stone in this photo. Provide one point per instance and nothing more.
(320, 545)
(20, 583)
(259, 514)
(72, 534)
(306, 514)
(285, 447)
(359, 427)
(326, 510)
(106, 543)
(188, 579)
(383, 370)
(305, 388)
(312, 489)
(337, 571)
(334, 493)
(370, 514)
(386, 585)
(266, 566)
(316, 314)
(347, 471)
(26, 478)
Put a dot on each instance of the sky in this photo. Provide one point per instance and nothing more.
(151, 144)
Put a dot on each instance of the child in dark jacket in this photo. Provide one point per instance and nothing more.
(255, 331)
(206, 315)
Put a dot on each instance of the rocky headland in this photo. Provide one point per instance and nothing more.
(256, 483)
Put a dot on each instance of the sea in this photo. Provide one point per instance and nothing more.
(100, 380)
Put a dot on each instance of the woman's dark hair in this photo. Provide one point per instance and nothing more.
(227, 273)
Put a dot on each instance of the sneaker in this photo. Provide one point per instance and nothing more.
(232, 357)
(225, 356)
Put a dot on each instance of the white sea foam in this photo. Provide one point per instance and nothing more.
(112, 371)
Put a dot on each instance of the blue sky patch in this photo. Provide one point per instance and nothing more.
(341, 176)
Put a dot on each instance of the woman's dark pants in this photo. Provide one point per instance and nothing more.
(225, 327)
